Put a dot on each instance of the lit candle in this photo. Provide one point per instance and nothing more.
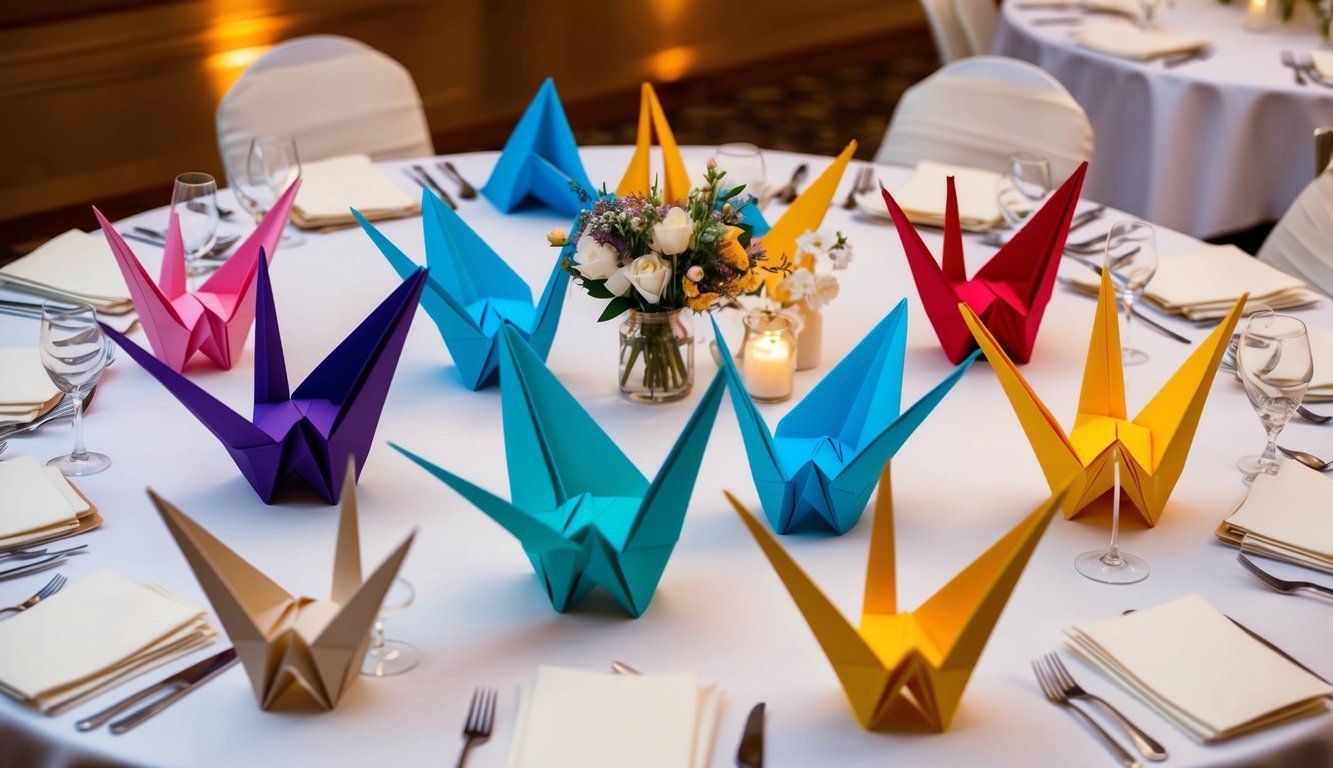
(769, 365)
(1256, 20)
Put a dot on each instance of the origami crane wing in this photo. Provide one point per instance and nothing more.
(1010, 292)
(638, 178)
(929, 653)
(805, 214)
(540, 163)
(213, 320)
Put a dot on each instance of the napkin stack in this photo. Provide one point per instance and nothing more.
(923, 196)
(26, 392)
(1323, 63)
(1321, 353)
(93, 636)
(1198, 669)
(1286, 517)
(573, 719)
(330, 188)
(40, 505)
(75, 266)
(1130, 41)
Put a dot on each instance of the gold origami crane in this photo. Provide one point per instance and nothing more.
(924, 657)
(1153, 447)
(638, 178)
(311, 649)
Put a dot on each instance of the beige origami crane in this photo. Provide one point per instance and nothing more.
(311, 649)
(1153, 447)
(924, 657)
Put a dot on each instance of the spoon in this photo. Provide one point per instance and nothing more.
(1308, 459)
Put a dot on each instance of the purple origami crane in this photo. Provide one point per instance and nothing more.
(214, 319)
(332, 415)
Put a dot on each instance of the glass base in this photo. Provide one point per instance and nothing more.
(89, 464)
(1251, 466)
(393, 658)
(1131, 356)
(290, 239)
(1094, 565)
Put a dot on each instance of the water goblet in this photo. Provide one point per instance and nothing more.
(744, 164)
(1131, 259)
(391, 657)
(1024, 185)
(1275, 365)
(74, 353)
(272, 166)
(194, 203)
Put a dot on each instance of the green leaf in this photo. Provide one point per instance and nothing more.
(616, 307)
(597, 289)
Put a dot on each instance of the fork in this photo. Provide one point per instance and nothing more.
(64, 409)
(1149, 746)
(862, 182)
(465, 190)
(1057, 696)
(480, 717)
(1281, 585)
(53, 586)
(1289, 61)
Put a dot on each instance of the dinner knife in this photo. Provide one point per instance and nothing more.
(179, 684)
(751, 752)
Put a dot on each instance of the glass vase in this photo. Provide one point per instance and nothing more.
(810, 339)
(656, 356)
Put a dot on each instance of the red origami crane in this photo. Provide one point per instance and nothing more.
(1009, 293)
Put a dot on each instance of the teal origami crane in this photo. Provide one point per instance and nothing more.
(471, 292)
(540, 164)
(821, 465)
(584, 514)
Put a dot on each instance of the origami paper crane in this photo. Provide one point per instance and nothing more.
(638, 179)
(806, 213)
(332, 416)
(1010, 292)
(584, 515)
(472, 293)
(1153, 447)
(821, 463)
(540, 162)
(302, 650)
(925, 656)
(214, 319)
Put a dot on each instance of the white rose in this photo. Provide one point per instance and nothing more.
(824, 290)
(647, 274)
(799, 284)
(595, 261)
(672, 234)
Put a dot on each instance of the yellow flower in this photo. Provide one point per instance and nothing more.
(689, 287)
(703, 301)
(732, 251)
(751, 281)
(557, 237)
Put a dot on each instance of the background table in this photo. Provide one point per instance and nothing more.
(1208, 147)
(481, 618)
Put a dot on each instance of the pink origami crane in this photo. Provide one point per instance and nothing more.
(214, 319)
(1009, 293)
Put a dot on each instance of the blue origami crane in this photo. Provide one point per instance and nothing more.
(584, 514)
(540, 163)
(472, 292)
(333, 414)
(823, 461)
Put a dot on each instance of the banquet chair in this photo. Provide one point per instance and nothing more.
(978, 20)
(1302, 242)
(978, 111)
(947, 30)
(334, 95)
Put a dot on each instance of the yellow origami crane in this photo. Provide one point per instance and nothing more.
(805, 213)
(299, 649)
(638, 178)
(1153, 447)
(930, 653)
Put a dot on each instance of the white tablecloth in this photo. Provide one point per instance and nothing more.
(481, 618)
(1208, 147)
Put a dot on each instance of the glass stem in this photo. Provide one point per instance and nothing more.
(1129, 315)
(1270, 450)
(1112, 557)
(80, 453)
(377, 637)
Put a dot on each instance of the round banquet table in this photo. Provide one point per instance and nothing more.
(480, 617)
(1208, 147)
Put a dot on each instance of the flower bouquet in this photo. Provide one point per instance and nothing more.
(654, 260)
(805, 289)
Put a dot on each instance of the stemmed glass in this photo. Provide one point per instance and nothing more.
(74, 353)
(260, 177)
(1025, 183)
(744, 164)
(1274, 362)
(1131, 258)
(194, 203)
(1148, 13)
(1112, 566)
(391, 657)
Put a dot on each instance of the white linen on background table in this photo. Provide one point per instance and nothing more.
(481, 618)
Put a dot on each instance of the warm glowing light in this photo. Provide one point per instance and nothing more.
(236, 39)
(239, 58)
(671, 64)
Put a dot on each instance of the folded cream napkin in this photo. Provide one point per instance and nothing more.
(329, 188)
(924, 195)
(1321, 350)
(1286, 517)
(76, 263)
(1323, 63)
(1189, 662)
(1127, 40)
(26, 391)
(92, 636)
(39, 503)
(573, 719)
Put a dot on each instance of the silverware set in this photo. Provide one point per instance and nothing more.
(997, 237)
(465, 190)
(865, 182)
(1282, 585)
(1228, 365)
(41, 560)
(480, 718)
(1198, 54)
(421, 175)
(63, 410)
(53, 586)
(1303, 69)
(176, 686)
(1061, 689)
(1308, 459)
(787, 193)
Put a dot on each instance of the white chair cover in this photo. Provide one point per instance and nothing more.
(335, 95)
(978, 20)
(1302, 242)
(947, 30)
(978, 111)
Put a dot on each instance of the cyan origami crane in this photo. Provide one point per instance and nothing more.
(540, 162)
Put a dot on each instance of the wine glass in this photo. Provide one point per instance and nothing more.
(1025, 183)
(1148, 13)
(1112, 566)
(194, 203)
(1131, 258)
(391, 657)
(271, 167)
(74, 353)
(1274, 362)
(744, 164)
